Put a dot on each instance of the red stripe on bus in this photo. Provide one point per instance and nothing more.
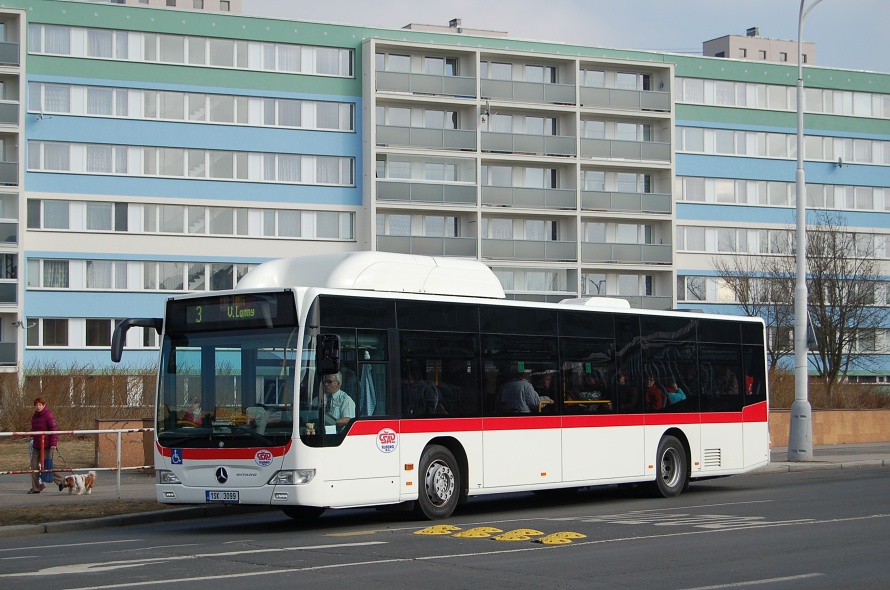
(686, 418)
(758, 412)
(223, 453)
(600, 420)
(521, 422)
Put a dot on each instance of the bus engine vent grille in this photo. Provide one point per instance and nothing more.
(713, 458)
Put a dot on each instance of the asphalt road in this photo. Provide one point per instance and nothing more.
(822, 529)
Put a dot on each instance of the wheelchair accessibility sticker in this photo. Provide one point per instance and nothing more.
(176, 456)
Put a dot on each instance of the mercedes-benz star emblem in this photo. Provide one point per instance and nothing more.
(222, 476)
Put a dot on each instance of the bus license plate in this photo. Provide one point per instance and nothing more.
(225, 497)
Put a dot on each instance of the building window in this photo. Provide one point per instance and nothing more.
(171, 2)
(743, 53)
(199, 4)
(98, 332)
(783, 56)
(803, 58)
(224, 6)
(55, 332)
(761, 54)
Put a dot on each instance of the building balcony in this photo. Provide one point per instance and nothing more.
(426, 192)
(9, 233)
(419, 137)
(539, 297)
(8, 353)
(427, 246)
(626, 202)
(521, 143)
(528, 91)
(530, 198)
(9, 54)
(9, 112)
(9, 173)
(625, 253)
(615, 98)
(655, 302)
(8, 292)
(426, 84)
(620, 149)
(541, 250)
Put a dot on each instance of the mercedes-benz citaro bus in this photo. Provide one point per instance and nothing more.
(367, 379)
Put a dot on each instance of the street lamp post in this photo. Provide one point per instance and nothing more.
(800, 439)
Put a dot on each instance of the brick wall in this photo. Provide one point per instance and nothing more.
(832, 427)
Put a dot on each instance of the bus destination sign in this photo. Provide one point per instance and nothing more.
(246, 310)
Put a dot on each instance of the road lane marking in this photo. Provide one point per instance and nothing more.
(530, 547)
(758, 582)
(80, 568)
(42, 547)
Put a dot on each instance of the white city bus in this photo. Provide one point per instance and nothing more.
(446, 389)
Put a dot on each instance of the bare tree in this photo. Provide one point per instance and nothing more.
(843, 274)
(764, 287)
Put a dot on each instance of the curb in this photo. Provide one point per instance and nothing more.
(102, 522)
(786, 467)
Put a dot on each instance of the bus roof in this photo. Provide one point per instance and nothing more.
(378, 271)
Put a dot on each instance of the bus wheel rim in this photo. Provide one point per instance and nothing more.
(439, 483)
(670, 462)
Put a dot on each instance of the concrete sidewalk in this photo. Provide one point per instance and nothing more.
(831, 457)
(137, 486)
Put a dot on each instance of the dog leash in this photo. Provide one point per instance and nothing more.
(64, 460)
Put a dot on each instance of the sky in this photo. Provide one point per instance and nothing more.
(849, 34)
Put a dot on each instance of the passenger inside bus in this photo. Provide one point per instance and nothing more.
(654, 395)
(518, 396)
(192, 416)
(420, 397)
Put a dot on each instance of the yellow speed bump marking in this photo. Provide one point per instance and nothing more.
(560, 538)
(439, 529)
(518, 535)
(480, 532)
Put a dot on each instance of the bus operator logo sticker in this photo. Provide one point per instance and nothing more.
(263, 458)
(387, 440)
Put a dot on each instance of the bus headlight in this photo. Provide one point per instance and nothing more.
(294, 477)
(165, 476)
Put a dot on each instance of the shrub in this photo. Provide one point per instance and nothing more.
(76, 395)
(845, 396)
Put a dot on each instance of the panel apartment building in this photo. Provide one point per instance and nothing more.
(150, 152)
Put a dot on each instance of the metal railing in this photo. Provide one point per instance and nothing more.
(117, 468)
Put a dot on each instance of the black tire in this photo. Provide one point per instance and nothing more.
(303, 513)
(439, 485)
(672, 470)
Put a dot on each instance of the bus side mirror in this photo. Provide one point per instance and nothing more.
(120, 333)
(327, 354)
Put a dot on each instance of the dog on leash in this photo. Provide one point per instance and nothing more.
(80, 483)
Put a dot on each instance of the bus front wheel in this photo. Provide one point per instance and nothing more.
(672, 472)
(439, 486)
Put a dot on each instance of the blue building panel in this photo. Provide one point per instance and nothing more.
(773, 215)
(94, 304)
(197, 136)
(239, 192)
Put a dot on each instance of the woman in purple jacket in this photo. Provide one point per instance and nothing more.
(42, 444)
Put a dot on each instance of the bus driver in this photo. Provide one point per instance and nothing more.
(338, 406)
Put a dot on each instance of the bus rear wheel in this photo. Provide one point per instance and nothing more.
(440, 484)
(303, 513)
(672, 472)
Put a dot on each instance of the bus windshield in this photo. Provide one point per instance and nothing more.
(227, 388)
